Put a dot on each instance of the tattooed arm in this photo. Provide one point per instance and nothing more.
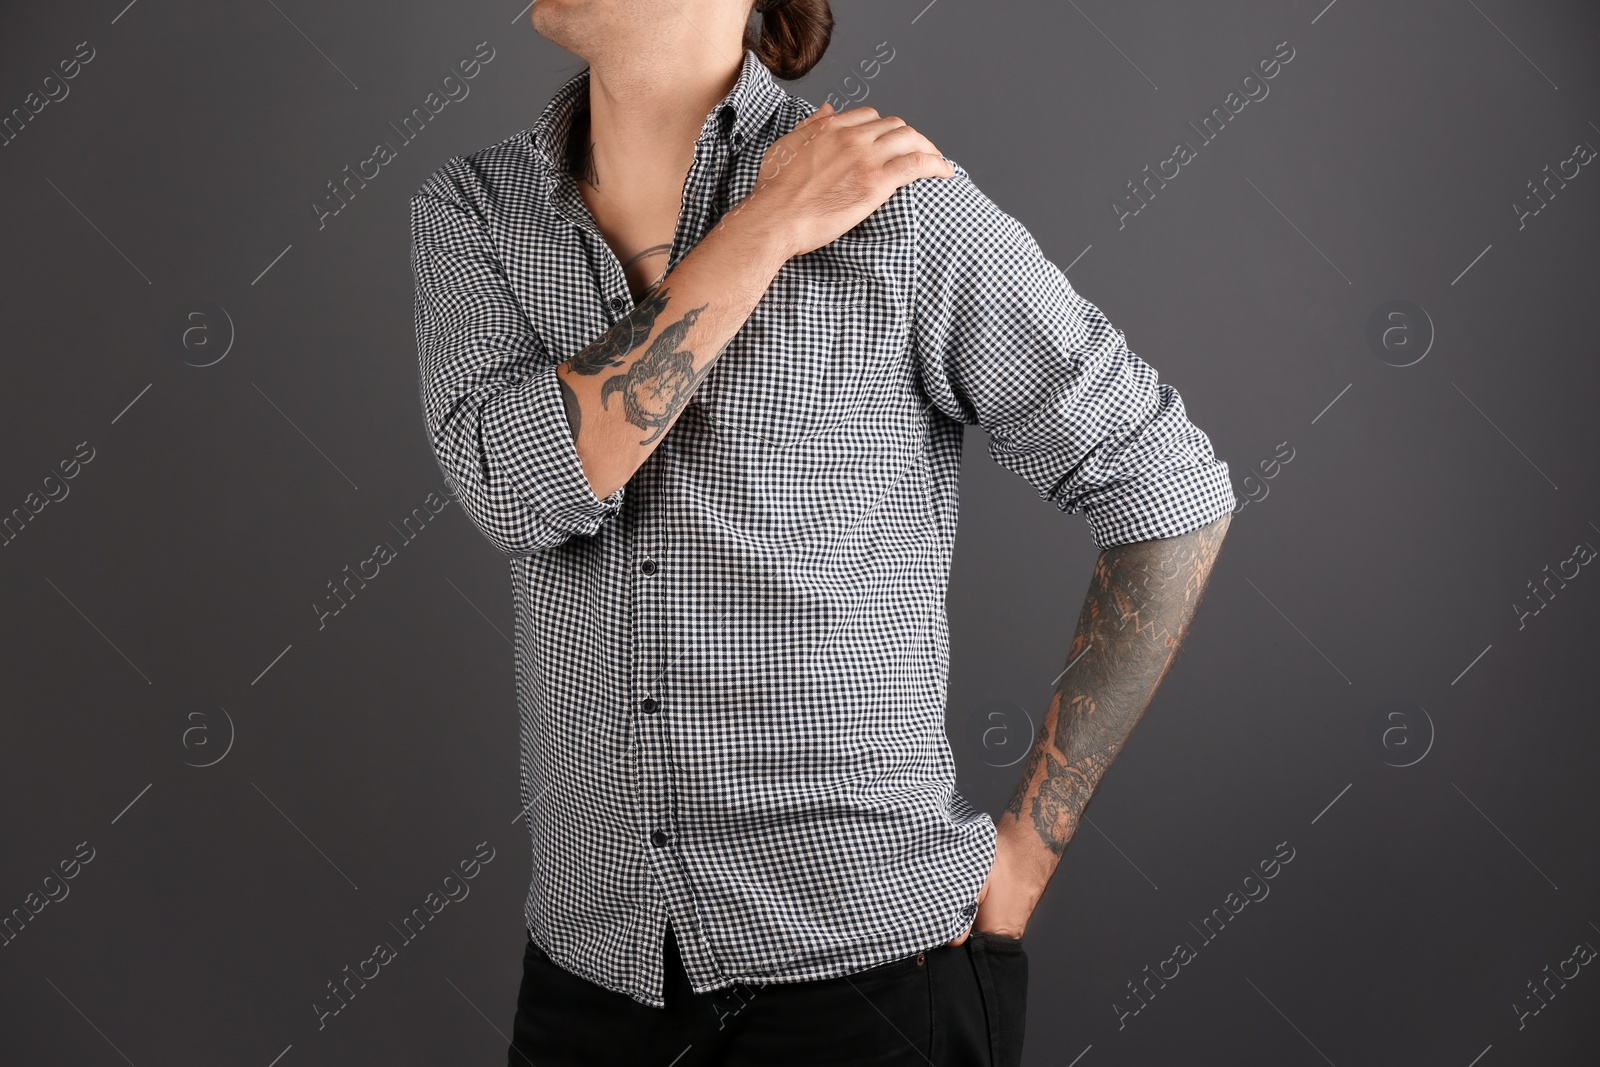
(1136, 615)
(626, 389)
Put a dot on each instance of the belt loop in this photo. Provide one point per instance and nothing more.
(991, 1005)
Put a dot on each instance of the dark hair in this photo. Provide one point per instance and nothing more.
(791, 36)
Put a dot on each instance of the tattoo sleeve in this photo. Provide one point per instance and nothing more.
(613, 347)
(1133, 620)
(655, 386)
(658, 384)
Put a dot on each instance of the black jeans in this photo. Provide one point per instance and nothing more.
(961, 1006)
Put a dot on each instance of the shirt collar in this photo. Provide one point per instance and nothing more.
(752, 100)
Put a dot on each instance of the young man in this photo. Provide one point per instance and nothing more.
(699, 358)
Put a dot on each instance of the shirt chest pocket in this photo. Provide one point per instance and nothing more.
(807, 361)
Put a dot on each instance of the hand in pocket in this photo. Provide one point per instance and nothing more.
(1007, 897)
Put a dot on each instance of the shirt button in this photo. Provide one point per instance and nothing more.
(648, 567)
(648, 705)
(660, 838)
(616, 303)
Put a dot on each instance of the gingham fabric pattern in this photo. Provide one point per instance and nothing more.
(731, 673)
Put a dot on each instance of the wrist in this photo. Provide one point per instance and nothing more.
(764, 239)
(1029, 862)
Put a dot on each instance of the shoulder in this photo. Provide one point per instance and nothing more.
(487, 181)
(954, 215)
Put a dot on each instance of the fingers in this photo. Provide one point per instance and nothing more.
(878, 128)
(908, 155)
(908, 168)
(883, 132)
(857, 116)
(902, 154)
(898, 140)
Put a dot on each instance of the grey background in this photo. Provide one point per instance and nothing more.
(161, 610)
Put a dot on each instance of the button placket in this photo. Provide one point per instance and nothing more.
(652, 692)
(578, 215)
(649, 730)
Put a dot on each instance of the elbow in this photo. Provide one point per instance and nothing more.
(511, 452)
(506, 520)
(514, 530)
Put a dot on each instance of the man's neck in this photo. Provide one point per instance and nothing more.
(644, 117)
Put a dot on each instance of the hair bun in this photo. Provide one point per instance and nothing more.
(792, 37)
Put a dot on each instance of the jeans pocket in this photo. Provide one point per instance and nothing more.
(1002, 965)
(1000, 942)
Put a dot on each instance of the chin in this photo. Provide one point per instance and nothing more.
(564, 22)
(579, 26)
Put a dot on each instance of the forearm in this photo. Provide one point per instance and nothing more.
(1133, 620)
(625, 390)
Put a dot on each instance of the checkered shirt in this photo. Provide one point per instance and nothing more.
(731, 673)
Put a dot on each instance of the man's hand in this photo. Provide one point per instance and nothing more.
(1012, 889)
(833, 170)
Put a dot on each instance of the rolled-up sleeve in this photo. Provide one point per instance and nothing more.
(491, 402)
(1002, 340)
